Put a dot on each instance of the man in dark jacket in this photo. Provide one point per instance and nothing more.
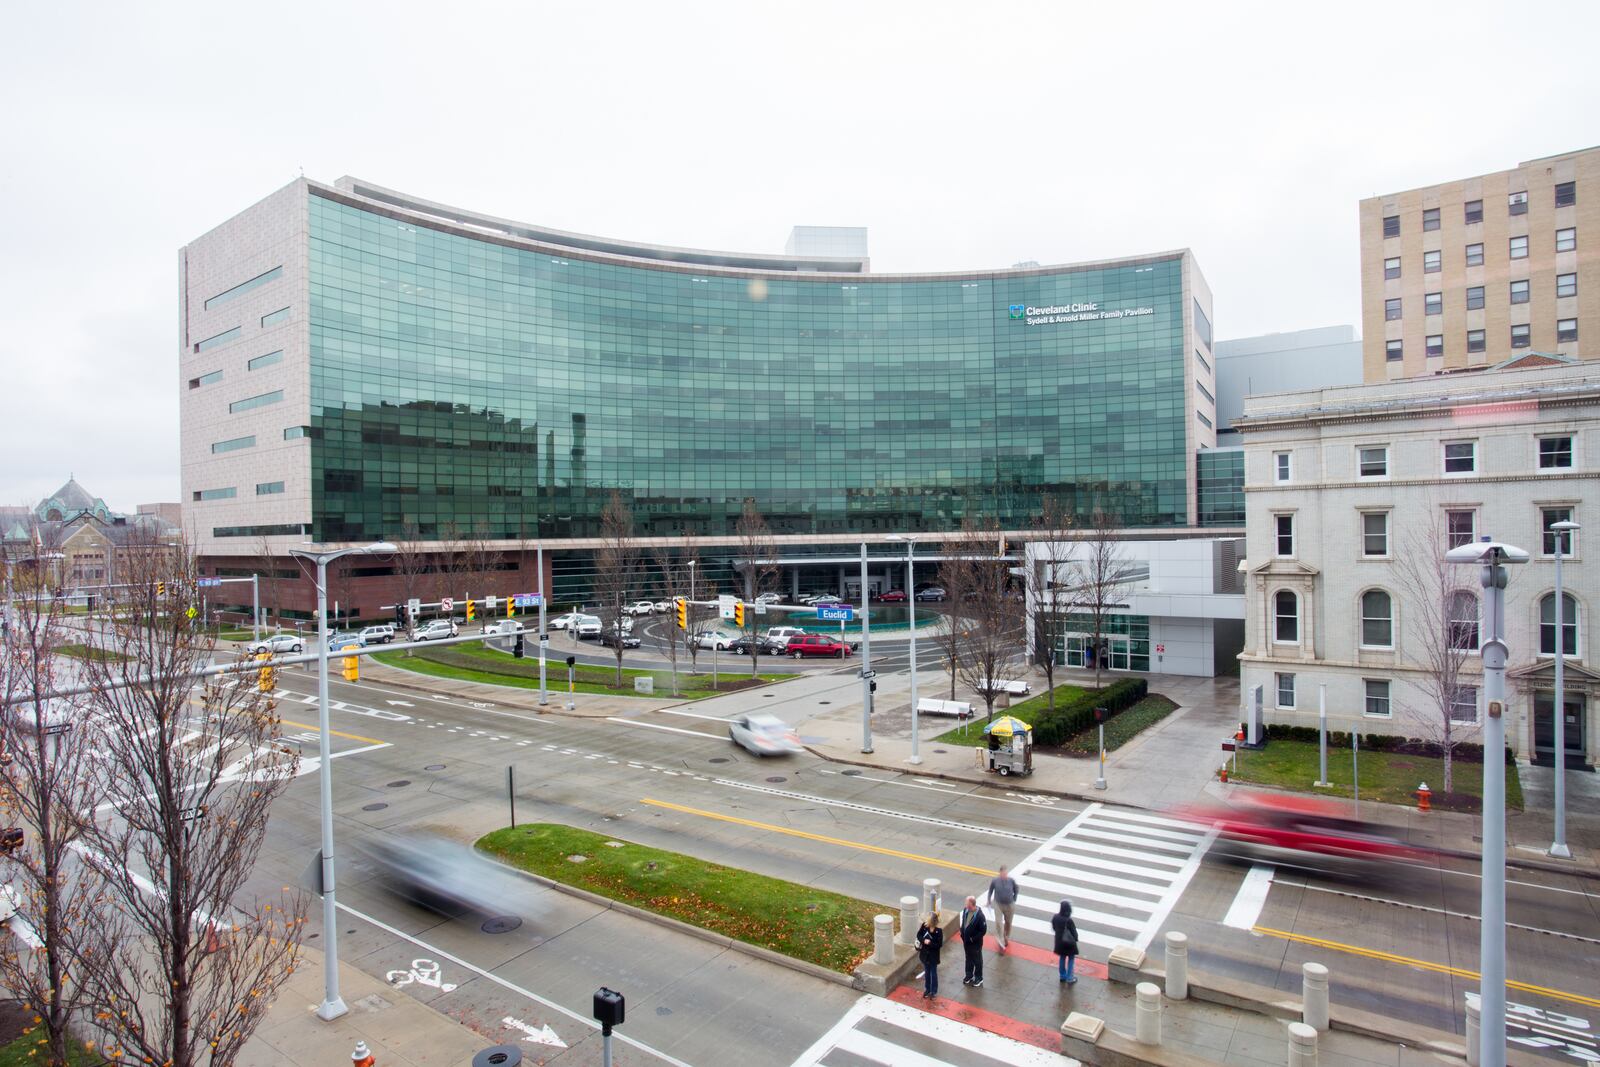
(973, 926)
(1066, 942)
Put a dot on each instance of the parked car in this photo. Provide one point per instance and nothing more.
(810, 646)
(340, 639)
(828, 598)
(561, 622)
(433, 631)
(716, 639)
(584, 627)
(932, 592)
(893, 596)
(764, 735)
(640, 607)
(769, 598)
(662, 606)
(380, 634)
(741, 646)
(278, 644)
(812, 598)
(611, 639)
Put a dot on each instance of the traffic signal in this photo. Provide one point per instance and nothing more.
(472, 610)
(399, 615)
(511, 607)
(516, 649)
(352, 667)
(680, 607)
(161, 589)
(267, 676)
(738, 614)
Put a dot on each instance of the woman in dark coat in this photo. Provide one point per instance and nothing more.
(930, 939)
(1066, 942)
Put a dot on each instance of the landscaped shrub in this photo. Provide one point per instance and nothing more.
(1068, 720)
(1414, 746)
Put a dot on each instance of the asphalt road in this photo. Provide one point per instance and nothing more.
(1400, 942)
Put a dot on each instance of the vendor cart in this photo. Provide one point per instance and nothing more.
(1008, 746)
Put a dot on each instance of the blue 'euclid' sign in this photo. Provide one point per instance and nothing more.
(840, 614)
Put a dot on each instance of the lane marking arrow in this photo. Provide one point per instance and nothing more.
(542, 1035)
(399, 703)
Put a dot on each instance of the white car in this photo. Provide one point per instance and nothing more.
(561, 622)
(640, 607)
(584, 626)
(278, 644)
(381, 634)
(776, 640)
(769, 598)
(716, 639)
(434, 630)
(764, 735)
(663, 606)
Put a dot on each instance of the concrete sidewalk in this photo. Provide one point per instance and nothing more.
(399, 1029)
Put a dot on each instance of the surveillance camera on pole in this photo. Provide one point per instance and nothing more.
(1492, 557)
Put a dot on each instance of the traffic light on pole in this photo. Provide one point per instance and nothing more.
(161, 589)
(511, 607)
(352, 667)
(266, 676)
(680, 607)
(738, 614)
(399, 615)
(472, 610)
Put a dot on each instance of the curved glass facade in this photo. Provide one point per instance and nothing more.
(468, 383)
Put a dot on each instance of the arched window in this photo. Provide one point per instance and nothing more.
(1569, 625)
(1463, 621)
(1377, 619)
(1286, 617)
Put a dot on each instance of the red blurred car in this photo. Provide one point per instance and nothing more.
(893, 596)
(1301, 824)
(809, 645)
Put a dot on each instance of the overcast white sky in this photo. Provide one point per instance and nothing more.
(968, 135)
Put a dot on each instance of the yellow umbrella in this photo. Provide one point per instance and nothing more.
(1007, 726)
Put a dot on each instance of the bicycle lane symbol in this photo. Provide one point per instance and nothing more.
(422, 972)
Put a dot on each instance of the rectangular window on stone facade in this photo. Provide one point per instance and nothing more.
(1375, 533)
(1519, 248)
(1391, 308)
(1285, 690)
(1433, 345)
(1517, 203)
(1460, 457)
(1430, 218)
(1566, 194)
(1374, 461)
(1461, 527)
(1475, 255)
(1520, 291)
(1392, 351)
(1566, 330)
(1377, 694)
(1285, 534)
(1472, 212)
(1474, 297)
(1433, 304)
(1391, 267)
(1521, 336)
(1555, 452)
(1431, 262)
(1476, 341)
(1391, 225)
(1567, 239)
(1566, 285)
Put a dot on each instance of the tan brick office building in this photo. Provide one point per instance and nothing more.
(1469, 273)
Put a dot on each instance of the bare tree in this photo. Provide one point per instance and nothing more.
(674, 571)
(1442, 625)
(1098, 572)
(616, 567)
(413, 563)
(180, 965)
(1047, 597)
(758, 568)
(955, 577)
(991, 638)
(52, 785)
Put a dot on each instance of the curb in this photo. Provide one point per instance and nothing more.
(720, 940)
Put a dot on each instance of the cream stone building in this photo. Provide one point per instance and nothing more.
(1471, 272)
(1352, 491)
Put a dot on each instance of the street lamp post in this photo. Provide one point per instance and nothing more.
(332, 1005)
(911, 608)
(1558, 848)
(1492, 557)
(866, 659)
(544, 634)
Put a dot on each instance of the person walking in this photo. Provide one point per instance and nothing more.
(1003, 895)
(930, 939)
(973, 926)
(1066, 942)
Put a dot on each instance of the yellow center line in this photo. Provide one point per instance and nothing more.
(335, 733)
(1426, 965)
(985, 871)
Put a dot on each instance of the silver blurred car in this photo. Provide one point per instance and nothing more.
(764, 735)
(443, 875)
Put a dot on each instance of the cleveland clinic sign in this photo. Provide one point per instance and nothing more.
(1062, 313)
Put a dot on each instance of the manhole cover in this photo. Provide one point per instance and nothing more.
(400, 783)
(501, 924)
(718, 759)
(777, 778)
(850, 773)
(768, 696)
(434, 767)
(373, 807)
(940, 751)
(824, 702)
(577, 857)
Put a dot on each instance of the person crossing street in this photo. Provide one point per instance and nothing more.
(972, 927)
(1003, 895)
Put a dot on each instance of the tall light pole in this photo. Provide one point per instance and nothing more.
(866, 658)
(332, 1005)
(544, 634)
(911, 607)
(1559, 848)
(1492, 557)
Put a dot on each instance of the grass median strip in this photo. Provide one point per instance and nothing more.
(823, 928)
(469, 663)
(1391, 777)
(1026, 710)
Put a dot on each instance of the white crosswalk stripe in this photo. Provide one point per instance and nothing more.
(1123, 871)
(876, 1030)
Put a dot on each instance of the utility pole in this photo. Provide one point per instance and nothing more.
(544, 635)
(866, 658)
(1558, 847)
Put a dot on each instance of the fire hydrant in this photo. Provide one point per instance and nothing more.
(362, 1057)
(1224, 774)
(1424, 797)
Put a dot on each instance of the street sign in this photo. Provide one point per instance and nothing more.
(526, 600)
(725, 605)
(869, 674)
(446, 605)
(489, 602)
(57, 728)
(842, 613)
(206, 583)
(192, 612)
(1161, 648)
(414, 605)
(1228, 746)
(761, 607)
